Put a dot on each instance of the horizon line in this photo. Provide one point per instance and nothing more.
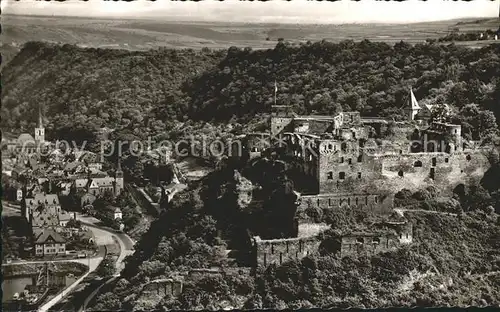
(182, 18)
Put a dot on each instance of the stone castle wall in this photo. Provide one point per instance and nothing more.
(163, 287)
(376, 203)
(373, 243)
(278, 251)
(442, 170)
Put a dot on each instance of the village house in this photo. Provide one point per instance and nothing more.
(49, 243)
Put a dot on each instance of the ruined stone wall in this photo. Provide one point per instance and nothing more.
(163, 287)
(442, 170)
(348, 171)
(376, 203)
(319, 126)
(370, 244)
(373, 243)
(278, 251)
(344, 170)
(351, 119)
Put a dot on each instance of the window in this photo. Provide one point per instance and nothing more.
(350, 161)
(341, 159)
(359, 175)
(418, 163)
(330, 175)
(329, 146)
(360, 240)
(376, 199)
(446, 160)
(329, 201)
(400, 173)
(341, 175)
(468, 157)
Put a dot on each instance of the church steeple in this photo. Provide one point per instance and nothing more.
(40, 121)
(119, 182)
(40, 130)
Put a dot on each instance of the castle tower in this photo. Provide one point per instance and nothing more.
(413, 108)
(119, 183)
(40, 130)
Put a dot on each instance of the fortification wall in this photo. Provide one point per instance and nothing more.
(351, 119)
(341, 172)
(319, 126)
(310, 204)
(373, 243)
(278, 251)
(347, 170)
(163, 287)
(441, 170)
(370, 245)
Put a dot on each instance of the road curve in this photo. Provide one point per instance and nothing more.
(126, 248)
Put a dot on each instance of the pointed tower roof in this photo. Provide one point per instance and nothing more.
(119, 166)
(413, 101)
(40, 121)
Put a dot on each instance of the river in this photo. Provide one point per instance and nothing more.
(12, 285)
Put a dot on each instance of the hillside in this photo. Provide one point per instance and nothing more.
(147, 93)
(453, 261)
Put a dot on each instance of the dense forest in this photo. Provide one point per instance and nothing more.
(148, 93)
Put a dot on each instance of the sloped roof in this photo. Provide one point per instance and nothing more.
(40, 198)
(102, 182)
(79, 183)
(49, 234)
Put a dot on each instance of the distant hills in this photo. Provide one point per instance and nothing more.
(143, 34)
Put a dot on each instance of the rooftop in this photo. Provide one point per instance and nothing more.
(48, 235)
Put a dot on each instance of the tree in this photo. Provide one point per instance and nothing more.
(106, 268)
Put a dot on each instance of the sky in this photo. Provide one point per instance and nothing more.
(280, 11)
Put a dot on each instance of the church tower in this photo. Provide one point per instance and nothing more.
(119, 183)
(40, 130)
(413, 107)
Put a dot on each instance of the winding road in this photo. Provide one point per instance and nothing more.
(104, 236)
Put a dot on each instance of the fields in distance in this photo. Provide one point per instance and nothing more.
(141, 34)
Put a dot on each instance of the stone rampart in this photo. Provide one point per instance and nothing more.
(278, 251)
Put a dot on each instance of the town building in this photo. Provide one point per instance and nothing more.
(49, 243)
(117, 214)
(44, 210)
